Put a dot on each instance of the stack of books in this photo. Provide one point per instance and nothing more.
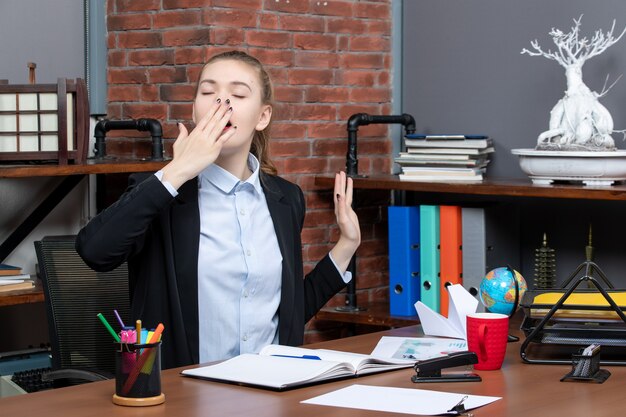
(11, 279)
(445, 157)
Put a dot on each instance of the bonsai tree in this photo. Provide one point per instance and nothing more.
(578, 121)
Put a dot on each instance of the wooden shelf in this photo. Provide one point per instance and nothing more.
(32, 295)
(500, 187)
(375, 314)
(108, 166)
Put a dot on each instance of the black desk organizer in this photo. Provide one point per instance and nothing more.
(561, 339)
(587, 368)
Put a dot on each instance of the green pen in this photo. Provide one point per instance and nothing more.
(109, 328)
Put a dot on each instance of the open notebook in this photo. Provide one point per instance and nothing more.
(282, 367)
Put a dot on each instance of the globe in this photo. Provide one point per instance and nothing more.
(497, 290)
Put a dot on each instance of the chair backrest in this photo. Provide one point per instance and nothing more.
(74, 295)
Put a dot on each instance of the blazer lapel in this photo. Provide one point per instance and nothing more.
(185, 232)
(281, 215)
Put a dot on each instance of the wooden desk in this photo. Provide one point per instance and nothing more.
(527, 390)
(376, 313)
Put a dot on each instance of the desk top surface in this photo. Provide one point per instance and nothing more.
(526, 390)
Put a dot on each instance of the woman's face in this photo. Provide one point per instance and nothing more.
(239, 83)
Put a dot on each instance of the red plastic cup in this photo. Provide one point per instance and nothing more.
(487, 335)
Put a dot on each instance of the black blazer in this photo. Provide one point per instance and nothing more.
(159, 237)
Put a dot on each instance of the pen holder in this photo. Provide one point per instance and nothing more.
(586, 368)
(138, 374)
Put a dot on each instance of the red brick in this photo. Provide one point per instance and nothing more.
(136, 111)
(318, 217)
(126, 76)
(317, 59)
(292, 6)
(345, 25)
(302, 23)
(277, 57)
(135, 40)
(111, 40)
(327, 94)
(374, 147)
(370, 44)
(371, 95)
(305, 165)
(177, 18)
(343, 43)
(167, 75)
(116, 58)
(268, 39)
(149, 92)
(114, 111)
(136, 5)
(310, 76)
(181, 111)
(192, 55)
(288, 94)
(372, 10)
(288, 130)
(184, 37)
(183, 4)
(193, 72)
(330, 147)
(268, 21)
(366, 61)
(378, 27)
(151, 57)
(230, 17)
(279, 75)
(314, 112)
(280, 148)
(376, 130)
(123, 93)
(332, 8)
(228, 36)
(358, 77)
(129, 21)
(282, 111)
(384, 78)
(316, 252)
(178, 92)
(313, 41)
(345, 111)
(316, 200)
(239, 4)
(327, 130)
(374, 247)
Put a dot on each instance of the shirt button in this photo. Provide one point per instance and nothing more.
(245, 337)
(245, 294)
(249, 252)
(242, 212)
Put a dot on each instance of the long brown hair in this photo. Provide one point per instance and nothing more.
(261, 138)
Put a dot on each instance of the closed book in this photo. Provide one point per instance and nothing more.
(21, 285)
(451, 257)
(9, 270)
(280, 367)
(429, 256)
(441, 178)
(452, 151)
(404, 259)
(466, 143)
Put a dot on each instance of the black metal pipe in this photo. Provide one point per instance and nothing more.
(142, 125)
(363, 119)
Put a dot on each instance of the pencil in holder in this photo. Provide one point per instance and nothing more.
(138, 374)
(586, 367)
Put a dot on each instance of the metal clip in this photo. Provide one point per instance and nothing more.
(459, 409)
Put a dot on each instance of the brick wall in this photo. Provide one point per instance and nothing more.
(328, 60)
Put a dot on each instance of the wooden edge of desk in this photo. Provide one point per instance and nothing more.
(31, 295)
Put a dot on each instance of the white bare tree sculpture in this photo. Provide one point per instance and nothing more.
(578, 121)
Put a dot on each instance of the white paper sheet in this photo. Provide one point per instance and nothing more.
(416, 348)
(398, 400)
(461, 304)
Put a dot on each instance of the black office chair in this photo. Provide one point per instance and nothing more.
(82, 349)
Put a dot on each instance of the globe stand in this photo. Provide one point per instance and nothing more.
(510, 337)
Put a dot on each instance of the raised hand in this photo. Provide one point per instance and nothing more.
(347, 220)
(195, 151)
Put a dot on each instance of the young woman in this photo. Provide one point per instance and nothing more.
(212, 240)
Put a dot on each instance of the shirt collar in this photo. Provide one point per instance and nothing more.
(227, 182)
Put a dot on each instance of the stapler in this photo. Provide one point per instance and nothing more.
(430, 370)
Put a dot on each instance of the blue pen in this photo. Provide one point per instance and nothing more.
(312, 357)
